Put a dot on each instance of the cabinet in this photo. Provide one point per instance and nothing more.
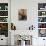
(4, 19)
(42, 19)
(3, 40)
(4, 22)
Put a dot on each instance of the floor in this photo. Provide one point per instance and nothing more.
(3, 45)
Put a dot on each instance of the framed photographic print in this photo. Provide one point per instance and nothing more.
(22, 14)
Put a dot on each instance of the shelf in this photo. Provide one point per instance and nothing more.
(42, 16)
(41, 28)
(3, 22)
(3, 16)
(41, 10)
(3, 10)
(41, 22)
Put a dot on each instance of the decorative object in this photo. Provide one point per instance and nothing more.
(43, 13)
(3, 13)
(41, 19)
(22, 14)
(4, 29)
(41, 25)
(13, 27)
(3, 6)
(31, 27)
(6, 7)
(0, 7)
(41, 6)
(42, 32)
(23, 40)
(27, 39)
(3, 19)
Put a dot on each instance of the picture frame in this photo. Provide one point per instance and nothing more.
(22, 14)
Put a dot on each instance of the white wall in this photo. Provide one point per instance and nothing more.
(32, 14)
(31, 6)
